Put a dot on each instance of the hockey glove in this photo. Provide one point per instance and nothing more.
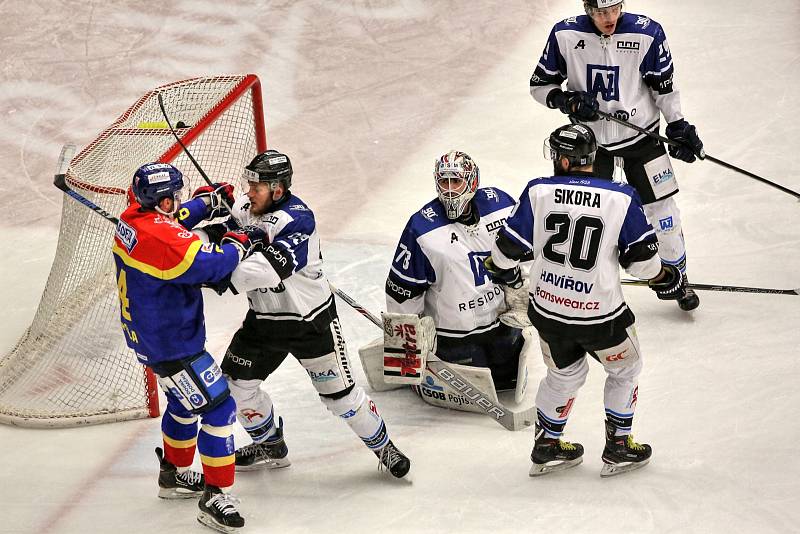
(669, 284)
(690, 146)
(247, 239)
(216, 196)
(506, 277)
(579, 104)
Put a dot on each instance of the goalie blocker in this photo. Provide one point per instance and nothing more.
(400, 358)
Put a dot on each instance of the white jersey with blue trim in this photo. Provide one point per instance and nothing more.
(580, 229)
(630, 73)
(284, 281)
(438, 270)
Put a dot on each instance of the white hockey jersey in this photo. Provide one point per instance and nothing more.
(438, 270)
(284, 282)
(580, 229)
(630, 73)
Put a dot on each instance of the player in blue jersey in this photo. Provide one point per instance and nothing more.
(581, 229)
(292, 310)
(160, 267)
(437, 272)
(620, 63)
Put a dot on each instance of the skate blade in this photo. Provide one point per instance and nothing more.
(544, 469)
(178, 493)
(269, 464)
(209, 521)
(610, 470)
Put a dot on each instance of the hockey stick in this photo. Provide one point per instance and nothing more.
(703, 155)
(719, 287)
(504, 416)
(60, 181)
(509, 419)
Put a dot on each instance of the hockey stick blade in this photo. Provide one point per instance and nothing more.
(60, 181)
(507, 418)
(720, 287)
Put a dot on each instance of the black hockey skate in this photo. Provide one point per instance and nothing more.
(622, 454)
(392, 459)
(218, 510)
(271, 454)
(550, 455)
(689, 300)
(174, 485)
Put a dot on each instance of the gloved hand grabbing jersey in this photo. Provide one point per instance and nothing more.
(507, 277)
(579, 104)
(689, 145)
(247, 239)
(669, 284)
(216, 196)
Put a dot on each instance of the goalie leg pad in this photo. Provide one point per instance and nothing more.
(436, 391)
(407, 340)
(195, 382)
(361, 415)
(528, 350)
(253, 408)
(371, 356)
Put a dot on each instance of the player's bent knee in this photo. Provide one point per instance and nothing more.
(343, 402)
(222, 415)
(196, 383)
(330, 373)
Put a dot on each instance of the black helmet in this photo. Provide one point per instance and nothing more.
(271, 167)
(576, 142)
(601, 4)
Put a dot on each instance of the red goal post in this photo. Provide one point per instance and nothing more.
(71, 366)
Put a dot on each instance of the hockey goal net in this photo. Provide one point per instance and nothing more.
(72, 366)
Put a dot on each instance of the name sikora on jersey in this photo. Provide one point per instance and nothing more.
(577, 197)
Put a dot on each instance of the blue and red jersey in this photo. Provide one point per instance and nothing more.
(160, 267)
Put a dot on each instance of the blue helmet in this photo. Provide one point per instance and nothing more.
(154, 181)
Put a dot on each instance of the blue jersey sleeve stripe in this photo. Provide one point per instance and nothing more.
(408, 278)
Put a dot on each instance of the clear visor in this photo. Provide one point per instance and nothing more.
(605, 13)
(547, 150)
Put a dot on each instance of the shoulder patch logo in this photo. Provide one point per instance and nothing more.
(491, 194)
(126, 234)
(429, 213)
(644, 22)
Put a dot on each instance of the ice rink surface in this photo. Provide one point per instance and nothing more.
(363, 96)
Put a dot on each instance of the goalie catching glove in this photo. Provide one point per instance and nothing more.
(407, 341)
(218, 197)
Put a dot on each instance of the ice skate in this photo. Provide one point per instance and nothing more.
(271, 454)
(622, 453)
(393, 460)
(218, 510)
(550, 455)
(689, 300)
(175, 485)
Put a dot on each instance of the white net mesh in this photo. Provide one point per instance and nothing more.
(72, 366)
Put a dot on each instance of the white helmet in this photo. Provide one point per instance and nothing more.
(590, 6)
(457, 178)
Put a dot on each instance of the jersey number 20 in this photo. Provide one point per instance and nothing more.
(583, 234)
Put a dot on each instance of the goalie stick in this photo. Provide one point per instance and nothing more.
(720, 287)
(507, 418)
(504, 416)
(712, 159)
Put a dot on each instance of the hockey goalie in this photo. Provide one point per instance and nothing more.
(441, 302)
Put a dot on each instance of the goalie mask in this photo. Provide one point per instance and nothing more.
(457, 178)
(270, 167)
(153, 182)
